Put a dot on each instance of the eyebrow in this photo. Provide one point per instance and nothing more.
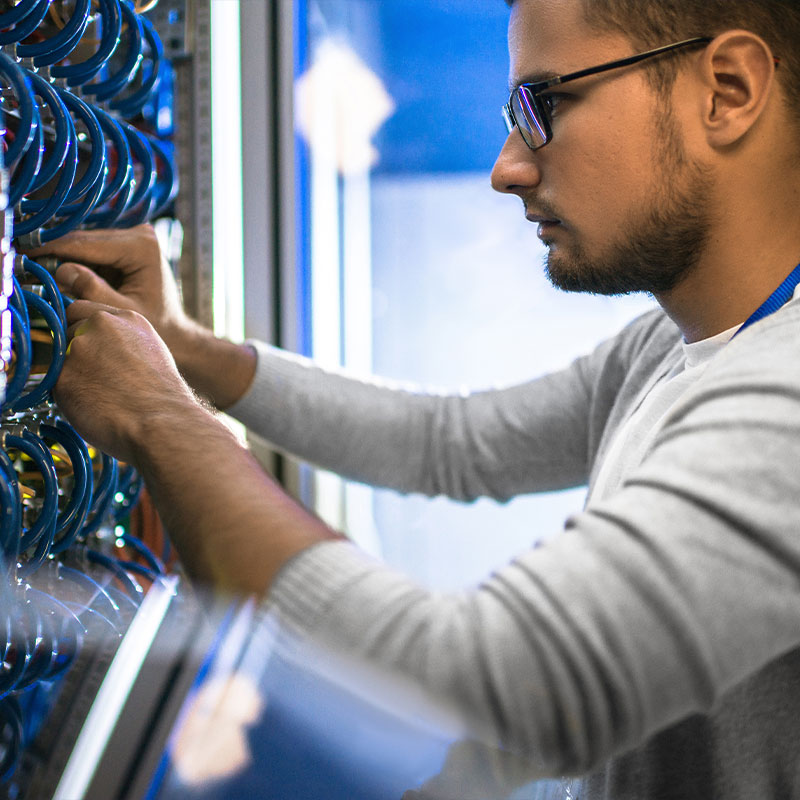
(534, 78)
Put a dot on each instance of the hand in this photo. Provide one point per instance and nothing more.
(124, 269)
(117, 376)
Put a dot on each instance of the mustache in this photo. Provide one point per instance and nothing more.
(540, 208)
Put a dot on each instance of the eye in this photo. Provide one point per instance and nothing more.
(553, 100)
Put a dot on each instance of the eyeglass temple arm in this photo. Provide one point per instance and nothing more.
(625, 62)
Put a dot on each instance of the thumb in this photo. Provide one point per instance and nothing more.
(84, 284)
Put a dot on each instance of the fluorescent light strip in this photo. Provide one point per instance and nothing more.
(114, 691)
(226, 147)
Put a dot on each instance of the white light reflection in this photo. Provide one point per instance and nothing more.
(340, 104)
(226, 139)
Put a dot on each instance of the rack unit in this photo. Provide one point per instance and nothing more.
(87, 600)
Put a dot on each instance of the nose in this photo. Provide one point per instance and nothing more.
(516, 169)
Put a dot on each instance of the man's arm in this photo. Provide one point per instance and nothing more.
(651, 607)
(533, 437)
(232, 525)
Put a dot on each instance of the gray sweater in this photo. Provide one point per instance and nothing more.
(654, 645)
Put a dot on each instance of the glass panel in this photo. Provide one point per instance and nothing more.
(418, 270)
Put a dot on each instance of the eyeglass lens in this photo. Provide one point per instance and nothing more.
(531, 125)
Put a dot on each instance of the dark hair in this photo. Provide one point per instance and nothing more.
(650, 23)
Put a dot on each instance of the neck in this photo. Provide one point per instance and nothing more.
(742, 266)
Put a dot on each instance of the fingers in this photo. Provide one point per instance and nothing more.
(100, 247)
(84, 316)
(84, 309)
(81, 282)
(128, 259)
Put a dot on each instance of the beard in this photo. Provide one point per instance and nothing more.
(664, 241)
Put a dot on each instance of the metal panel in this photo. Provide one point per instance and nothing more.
(258, 174)
(193, 142)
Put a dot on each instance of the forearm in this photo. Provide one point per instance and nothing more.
(233, 527)
(217, 369)
(495, 443)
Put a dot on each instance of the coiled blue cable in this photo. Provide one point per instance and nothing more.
(59, 350)
(18, 301)
(65, 633)
(18, 646)
(41, 642)
(119, 79)
(8, 502)
(81, 197)
(167, 182)
(26, 26)
(12, 661)
(95, 167)
(80, 73)
(45, 211)
(138, 569)
(25, 174)
(118, 571)
(53, 49)
(11, 721)
(73, 202)
(97, 595)
(77, 215)
(117, 191)
(51, 291)
(17, 13)
(18, 80)
(72, 518)
(123, 172)
(129, 106)
(21, 342)
(58, 144)
(103, 495)
(155, 565)
(69, 639)
(11, 527)
(140, 200)
(43, 529)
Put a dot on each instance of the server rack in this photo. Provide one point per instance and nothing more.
(103, 104)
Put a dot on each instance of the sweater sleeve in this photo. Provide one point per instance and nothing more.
(536, 436)
(649, 607)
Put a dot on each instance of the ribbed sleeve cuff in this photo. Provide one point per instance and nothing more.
(278, 373)
(310, 583)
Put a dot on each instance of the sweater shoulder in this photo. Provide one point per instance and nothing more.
(653, 333)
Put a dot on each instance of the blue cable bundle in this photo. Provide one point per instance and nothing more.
(80, 80)
(130, 174)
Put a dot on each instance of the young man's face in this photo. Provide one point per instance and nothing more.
(618, 202)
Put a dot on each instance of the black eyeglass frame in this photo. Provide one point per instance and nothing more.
(540, 113)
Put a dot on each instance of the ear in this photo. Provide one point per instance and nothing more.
(738, 72)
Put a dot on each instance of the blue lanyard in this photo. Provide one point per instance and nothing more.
(776, 300)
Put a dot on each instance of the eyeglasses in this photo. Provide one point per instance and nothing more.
(530, 112)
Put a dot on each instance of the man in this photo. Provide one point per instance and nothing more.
(653, 646)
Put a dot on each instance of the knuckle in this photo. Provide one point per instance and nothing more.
(75, 351)
(149, 239)
(102, 318)
(129, 315)
(77, 311)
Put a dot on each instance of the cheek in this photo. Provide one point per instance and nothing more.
(610, 173)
